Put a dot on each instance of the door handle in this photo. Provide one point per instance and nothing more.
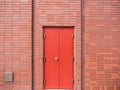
(56, 58)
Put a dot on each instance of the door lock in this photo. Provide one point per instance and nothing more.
(56, 58)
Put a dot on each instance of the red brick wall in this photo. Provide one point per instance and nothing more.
(56, 13)
(102, 45)
(101, 41)
(15, 43)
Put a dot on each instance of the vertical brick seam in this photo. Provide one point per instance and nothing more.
(82, 45)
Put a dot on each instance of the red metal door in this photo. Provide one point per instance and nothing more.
(58, 50)
(51, 50)
(66, 58)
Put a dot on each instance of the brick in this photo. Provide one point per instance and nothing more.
(101, 41)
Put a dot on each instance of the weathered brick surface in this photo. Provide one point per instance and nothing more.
(102, 45)
(57, 13)
(15, 43)
(101, 41)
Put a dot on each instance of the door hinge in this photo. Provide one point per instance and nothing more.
(44, 59)
(44, 36)
(73, 35)
(73, 58)
(44, 81)
(73, 81)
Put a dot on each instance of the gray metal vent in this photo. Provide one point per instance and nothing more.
(8, 76)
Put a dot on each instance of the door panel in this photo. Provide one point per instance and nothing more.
(66, 58)
(58, 73)
(51, 51)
